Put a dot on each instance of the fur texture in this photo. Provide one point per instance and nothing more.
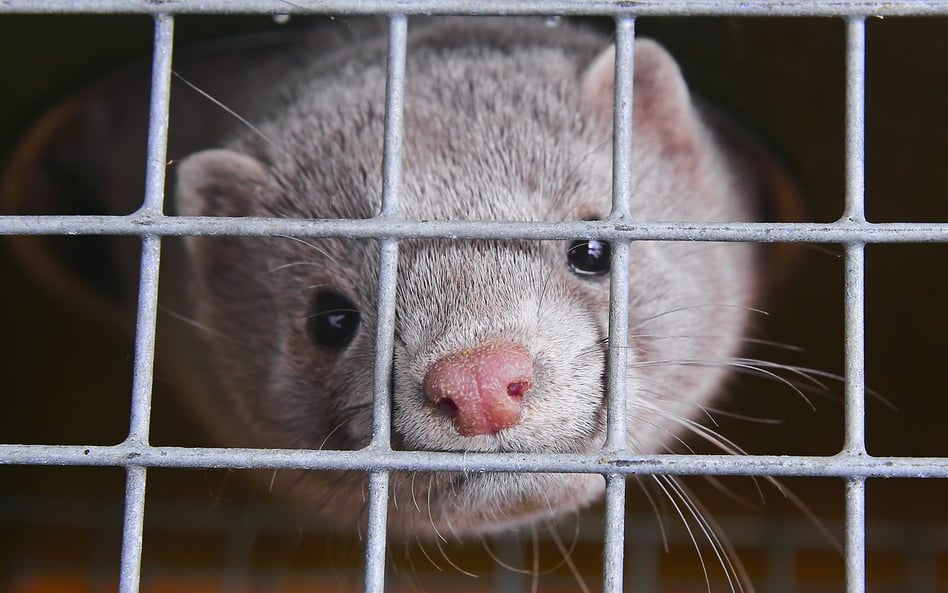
(507, 120)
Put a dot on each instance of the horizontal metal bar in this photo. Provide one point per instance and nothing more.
(467, 7)
(808, 232)
(840, 465)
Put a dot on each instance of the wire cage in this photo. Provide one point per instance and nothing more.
(901, 545)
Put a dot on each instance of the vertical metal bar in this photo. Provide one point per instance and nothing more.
(388, 269)
(855, 419)
(151, 248)
(158, 115)
(855, 302)
(614, 543)
(855, 257)
(622, 117)
(384, 344)
(856, 535)
(621, 198)
(144, 365)
(855, 349)
(132, 529)
(855, 118)
(375, 542)
(391, 170)
(133, 522)
(375, 537)
(394, 111)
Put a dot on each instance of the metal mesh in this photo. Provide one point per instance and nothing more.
(852, 230)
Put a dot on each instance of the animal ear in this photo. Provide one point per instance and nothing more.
(662, 106)
(218, 182)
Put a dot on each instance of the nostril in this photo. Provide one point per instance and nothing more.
(447, 407)
(518, 388)
(481, 390)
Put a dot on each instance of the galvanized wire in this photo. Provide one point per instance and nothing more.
(465, 7)
(144, 365)
(853, 464)
(840, 465)
(855, 302)
(385, 336)
(756, 232)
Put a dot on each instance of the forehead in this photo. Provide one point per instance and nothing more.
(483, 138)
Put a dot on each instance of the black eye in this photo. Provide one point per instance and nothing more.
(589, 258)
(333, 320)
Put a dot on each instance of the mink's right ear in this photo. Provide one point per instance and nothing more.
(662, 105)
(219, 182)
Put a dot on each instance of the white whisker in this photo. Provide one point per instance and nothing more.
(421, 546)
(687, 526)
(739, 365)
(431, 518)
(720, 548)
(196, 324)
(658, 512)
(647, 320)
(233, 113)
(315, 248)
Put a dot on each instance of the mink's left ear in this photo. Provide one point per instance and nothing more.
(662, 107)
(219, 182)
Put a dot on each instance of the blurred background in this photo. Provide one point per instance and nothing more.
(65, 377)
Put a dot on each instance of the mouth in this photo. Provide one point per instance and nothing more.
(477, 503)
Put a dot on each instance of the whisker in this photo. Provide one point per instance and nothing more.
(409, 572)
(431, 518)
(696, 428)
(773, 343)
(421, 546)
(717, 547)
(809, 513)
(293, 4)
(349, 413)
(738, 365)
(687, 526)
(655, 508)
(414, 500)
(748, 340)
(315, 248)
(196, 324)
(596, 348)
(711, 436)
(567, 555)
(282, 267)
(736, 416)
(444, 554)
(719, 485)
(543, 292)
(233, 113)
(497, 559)
(722, 548)
(647, 320)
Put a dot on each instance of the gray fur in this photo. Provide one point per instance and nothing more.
(503, 120)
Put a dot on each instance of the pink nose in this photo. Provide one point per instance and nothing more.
(481, 389)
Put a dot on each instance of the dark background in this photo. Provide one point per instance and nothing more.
(65, 379)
